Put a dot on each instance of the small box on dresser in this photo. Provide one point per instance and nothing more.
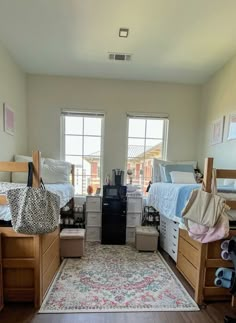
(1, 281)
(134, 216)
(93, 218)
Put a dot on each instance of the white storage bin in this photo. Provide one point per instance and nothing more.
(134, 204)
(93, 219)
(133, 219)
(93, 233)
(130, 235)
(93, 204)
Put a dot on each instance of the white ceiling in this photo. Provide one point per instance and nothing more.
(171, 40)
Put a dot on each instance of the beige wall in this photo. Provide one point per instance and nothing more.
(218, 99)
(48, 95)
(13, 92)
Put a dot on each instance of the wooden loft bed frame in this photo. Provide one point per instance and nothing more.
(29, 262)
(198, 261)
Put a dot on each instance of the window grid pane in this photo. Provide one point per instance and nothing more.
(142, 149)
(87, 160)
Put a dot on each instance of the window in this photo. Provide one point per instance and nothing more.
(147, 138)
(82, 146)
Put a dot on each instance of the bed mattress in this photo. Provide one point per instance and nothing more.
(170, 199)
(65, 192)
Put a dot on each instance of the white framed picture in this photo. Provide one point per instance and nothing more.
(232, 127)
(9, 119)
(217, 131)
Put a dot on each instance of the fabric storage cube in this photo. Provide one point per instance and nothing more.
(72, 242)
(146, 238)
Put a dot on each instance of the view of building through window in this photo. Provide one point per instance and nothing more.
(82, 147)
(146, 138)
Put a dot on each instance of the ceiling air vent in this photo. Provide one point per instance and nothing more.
(119, 57)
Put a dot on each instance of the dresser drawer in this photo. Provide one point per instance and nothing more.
(93, 204)
(133, 219)
(187, 269)
(93, 219)
(173, 253)
(93, 233)
(174, 227)
(130, 234)
(134, 204)
(174, 244)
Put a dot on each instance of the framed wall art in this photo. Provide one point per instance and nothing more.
(9, 119)
(217, 131)
(232, 127)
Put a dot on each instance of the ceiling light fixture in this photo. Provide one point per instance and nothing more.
(123, 32)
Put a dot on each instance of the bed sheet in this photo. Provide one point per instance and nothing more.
(170, 199)
(65, 192)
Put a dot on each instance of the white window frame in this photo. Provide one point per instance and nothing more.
(65, 113)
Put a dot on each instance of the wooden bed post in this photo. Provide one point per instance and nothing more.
(200, 283)
(207, 179)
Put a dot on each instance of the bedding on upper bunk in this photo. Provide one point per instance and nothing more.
(65, 192)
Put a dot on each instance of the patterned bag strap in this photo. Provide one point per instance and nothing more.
(42, 184)
(30, 174)
(30, 177)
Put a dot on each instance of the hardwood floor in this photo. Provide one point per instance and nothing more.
(213, 313)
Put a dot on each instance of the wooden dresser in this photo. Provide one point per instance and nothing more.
(198, 262)
(1, 282)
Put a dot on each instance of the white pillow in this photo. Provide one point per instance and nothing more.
(57, 162)
(55, 174)
(56, 171)
(158, 174)
(156, 171)
(18, 177)
(182, 178)
(187, 162)
(52, 171)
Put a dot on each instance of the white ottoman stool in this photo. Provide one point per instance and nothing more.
(146, 238)
(72, 242)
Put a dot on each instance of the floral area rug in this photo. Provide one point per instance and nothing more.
(111, 278)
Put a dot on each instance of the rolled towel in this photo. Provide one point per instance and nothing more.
(224, 245)
(225, 255)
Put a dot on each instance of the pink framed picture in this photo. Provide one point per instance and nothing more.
(9, 119)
